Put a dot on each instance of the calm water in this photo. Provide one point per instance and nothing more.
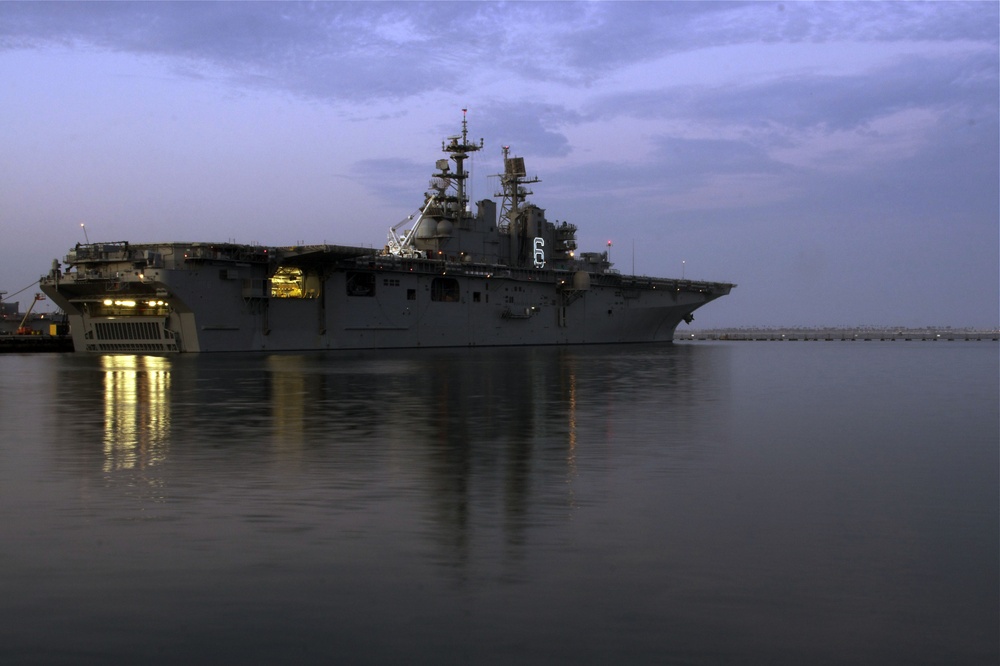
(707, 503)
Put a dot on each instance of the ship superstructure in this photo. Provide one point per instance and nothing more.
(446, 277)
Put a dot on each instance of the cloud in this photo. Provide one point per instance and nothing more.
(354, 52)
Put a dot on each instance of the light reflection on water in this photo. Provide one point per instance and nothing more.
(694, 503)
(136, 411)
(444, 408)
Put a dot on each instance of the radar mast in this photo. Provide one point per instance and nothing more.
(512, 181)
(458, 148)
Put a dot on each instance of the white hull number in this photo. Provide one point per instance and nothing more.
(539, 252)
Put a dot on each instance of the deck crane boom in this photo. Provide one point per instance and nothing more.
(23, 328)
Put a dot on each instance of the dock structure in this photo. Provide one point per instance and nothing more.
(23, 344)
(840, 334)
(30, 332)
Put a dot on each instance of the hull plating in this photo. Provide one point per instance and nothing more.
(397, 309)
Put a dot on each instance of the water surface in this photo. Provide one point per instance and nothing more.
(699, 503)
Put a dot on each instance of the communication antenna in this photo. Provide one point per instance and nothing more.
(459, 147)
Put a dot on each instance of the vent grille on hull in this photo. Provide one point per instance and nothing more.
(128, 330)
(131, 337)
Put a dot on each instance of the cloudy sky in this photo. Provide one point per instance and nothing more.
(839, 161)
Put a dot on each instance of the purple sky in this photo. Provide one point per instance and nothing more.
(839, 161)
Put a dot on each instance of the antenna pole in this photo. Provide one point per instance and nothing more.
(459, 152)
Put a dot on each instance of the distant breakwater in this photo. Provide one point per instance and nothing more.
(839, 334)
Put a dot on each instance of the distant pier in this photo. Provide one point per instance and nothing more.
(839, 335)
(23, 344)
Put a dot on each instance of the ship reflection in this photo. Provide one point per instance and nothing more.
(470, 442)
(136, 411)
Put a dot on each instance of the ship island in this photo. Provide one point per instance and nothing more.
(445, 277)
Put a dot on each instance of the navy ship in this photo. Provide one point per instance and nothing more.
(446, 277)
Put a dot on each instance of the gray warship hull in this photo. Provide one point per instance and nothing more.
(218, 298)
(453, 279)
